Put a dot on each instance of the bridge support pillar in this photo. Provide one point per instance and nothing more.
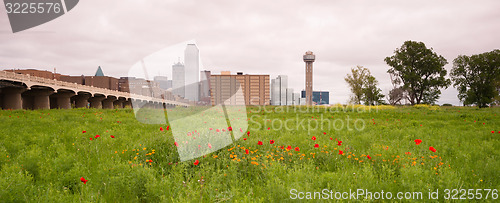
(62, 100)
(127, 103)
(81, 100)
(37, 99)
(12, 98)
(96, 102)
(118, 104)
(108, 102)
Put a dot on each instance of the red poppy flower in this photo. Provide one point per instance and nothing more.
(316, 146)
(230, 128)
(432, 149)
(161, 129)
(150, 160)
(84, 131)
(339, 143)
(248, 133)
(331, 138)
(289, 147)
(297, 149)
(246, 151)
(210, 128)
(112, 136)
(96, 136)
(175, 143)
(368, 156)
(196, 162)
(282, 147)
(259, 143)
(418, 141)
(209, 146)
(409, 153)
(244, 138)
(268, 128)
(90, 139)
(271, 141)
(83, 180)
(492, 131)
(324, 133)
(168, 127)
(341, 152)
(313, 138)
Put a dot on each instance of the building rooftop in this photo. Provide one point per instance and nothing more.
(99, 72)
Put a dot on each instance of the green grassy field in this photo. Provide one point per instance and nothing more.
(44, 154)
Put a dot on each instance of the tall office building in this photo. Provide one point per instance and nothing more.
(205, 87)
(279, 87)
(224, 88)
(162, 81)
(178, 79)
(309, 58)
(192, 71)
(275, 92)
(296, 99)
(289, 96)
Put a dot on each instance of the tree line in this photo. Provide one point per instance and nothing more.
(417, 74)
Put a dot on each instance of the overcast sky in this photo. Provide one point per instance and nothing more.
(255, 37)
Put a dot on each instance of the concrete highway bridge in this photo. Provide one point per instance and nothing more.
(20, 91)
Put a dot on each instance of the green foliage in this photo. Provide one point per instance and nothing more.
(356, 81)
(420, 70)
(477, 78)
(364, 87)
(372, 94)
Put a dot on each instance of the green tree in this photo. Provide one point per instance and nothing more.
(420, 70)
(477, 78)
(372, 95)
(356, 80)
(363, 86)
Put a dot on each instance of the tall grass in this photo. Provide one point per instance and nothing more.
(43, 155)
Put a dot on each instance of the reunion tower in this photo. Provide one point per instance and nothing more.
(309, 59)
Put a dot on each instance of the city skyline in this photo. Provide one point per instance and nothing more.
(253, 40)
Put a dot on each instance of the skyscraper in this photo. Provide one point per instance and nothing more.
(279, 87)
(205, 87)
(289, 96)
(309, 58)
(192, 72)
(178, 79)
(162, 81)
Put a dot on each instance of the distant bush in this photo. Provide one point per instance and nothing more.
(446, 105)
(426, 106)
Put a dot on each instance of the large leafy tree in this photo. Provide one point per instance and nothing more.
(355, 80)
(420, 70)
(363, 86)
(477, 77)
(372, 94)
